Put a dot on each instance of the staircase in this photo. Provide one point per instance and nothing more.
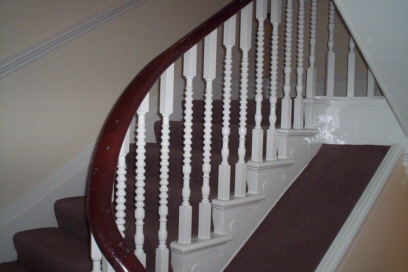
(328, 176)
(67, 247)
(210, 180)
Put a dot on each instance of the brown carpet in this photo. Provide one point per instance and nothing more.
(301, 227)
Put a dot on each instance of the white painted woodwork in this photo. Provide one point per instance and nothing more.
(140, 179)
(330, 54)
(245, 45)
(210, 57)
(106, 266)
(185, 211)
(96, 256)
(257, 132)
(224, 170)
(166, 108)
(286, 118)
(272, 134)
(121, 185)
(383, 48)
(351, 68)
(311, 71)
(370, 83)
(373, 117)
(298, 113)
(239, 216)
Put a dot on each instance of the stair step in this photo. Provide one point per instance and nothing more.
(176, 162)
(177, 136)
(198, 111)
(14, 267)
(71, 216)
(52, 249)
(299, 230)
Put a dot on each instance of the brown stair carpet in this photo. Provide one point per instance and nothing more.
(301, 227)
(66, 248)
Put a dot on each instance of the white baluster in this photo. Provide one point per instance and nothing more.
(140, 179)
(257, 132)
(286, 119)
(298, 113)
(106, 266)
(96, 256)
(271, 147)
(166, 108)
(210, 54)
(245, 45)
(330, 54)
(370, 83)
(185, 210)
(224, 170)
(311, 71)
(351, 69)
(121, 186)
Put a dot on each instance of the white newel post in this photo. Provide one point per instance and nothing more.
(286, 118)
(121, 186)
(224, 170)
(209, 73)
(257, 133)
(185, 210)
(96, 256)
(166, 108)
(140, 179)
(351, 69)
(311, 71)
(298, 114)
(370, 83)
(245, 45)
(272, 134)
(330, 54)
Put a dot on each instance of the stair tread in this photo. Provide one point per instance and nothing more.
(71, 216)
(299, 230)
(14, 266)
(52, 249)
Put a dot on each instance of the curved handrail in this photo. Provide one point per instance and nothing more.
(103, 167)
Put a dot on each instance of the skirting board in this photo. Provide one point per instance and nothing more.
(359, 216)
(31, 53)
(35, 208)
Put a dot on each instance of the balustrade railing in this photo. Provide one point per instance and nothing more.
(108, 229)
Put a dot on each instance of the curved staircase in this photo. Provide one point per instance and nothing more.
(67, 248)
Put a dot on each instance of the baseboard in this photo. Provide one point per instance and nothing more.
(35, 208)
(31, 53)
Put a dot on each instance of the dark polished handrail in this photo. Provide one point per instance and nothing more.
(102, 171)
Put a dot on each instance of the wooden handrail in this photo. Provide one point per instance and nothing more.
(103, 167)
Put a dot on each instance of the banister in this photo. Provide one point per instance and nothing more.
(103, 165)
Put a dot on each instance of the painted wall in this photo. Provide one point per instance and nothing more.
(55, 107)
(383, 242)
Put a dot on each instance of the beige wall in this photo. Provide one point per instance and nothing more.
(27, 22)
(383, 242)
(54, 107)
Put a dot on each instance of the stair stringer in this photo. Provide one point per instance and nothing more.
(235, 220)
